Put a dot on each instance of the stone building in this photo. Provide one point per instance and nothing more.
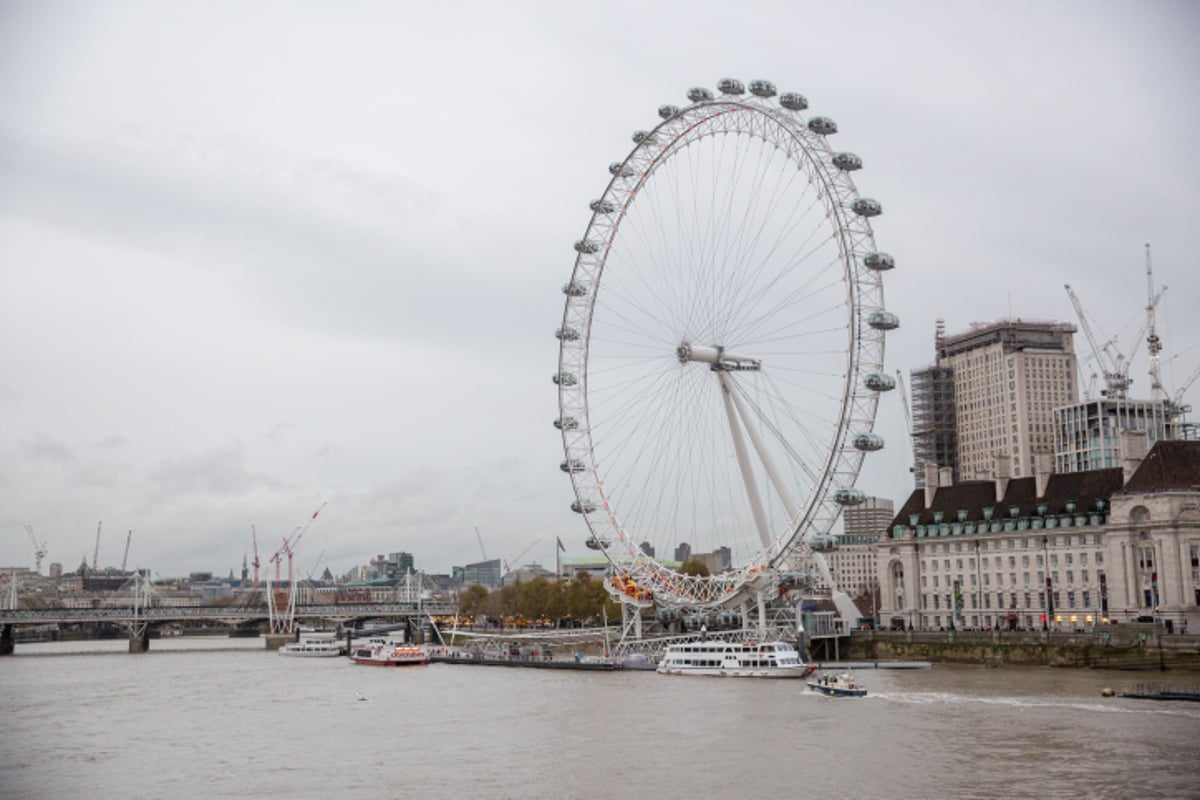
(1058, 551)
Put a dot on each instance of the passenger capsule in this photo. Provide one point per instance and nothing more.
(878, 261)
(643, 136)
(822, 125)
(668, 111)
(849, 497)
(574, 289)
(762, 88)
(596, 544)
(603, 206)
(620, 170)
(879, 382)
(583, 506)
(868, 442)
(731, 86)
(584, 246)
(572, 465)
(883, 320)
(565, 378)
(566, 334)
(566, 423)
(793, 101)
(847, 162)
(698, 94)
(823, 543)
(866, 207)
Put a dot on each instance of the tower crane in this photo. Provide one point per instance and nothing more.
(507, 568)
(1153, 343)
(39, 548)
(1113, 365)
(254, 539)
(907, 420)
(480, 538)
(125, 557)
(96, 553)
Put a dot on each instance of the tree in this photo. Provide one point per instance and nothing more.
(694, 567)
(471, 600)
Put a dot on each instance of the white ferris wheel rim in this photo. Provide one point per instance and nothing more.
(784, 131)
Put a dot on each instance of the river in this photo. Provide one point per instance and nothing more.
(209, 718)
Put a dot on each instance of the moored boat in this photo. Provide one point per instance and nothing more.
(379, 654)
(734, 660)
(841, 684)
(314, 646)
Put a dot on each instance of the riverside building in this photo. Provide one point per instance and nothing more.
(1049, 551)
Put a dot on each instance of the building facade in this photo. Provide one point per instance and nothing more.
(1051, 551)
(1088, 434)
(1009, 376)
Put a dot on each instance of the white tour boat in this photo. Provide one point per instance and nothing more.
(315, 645)
(734, 660)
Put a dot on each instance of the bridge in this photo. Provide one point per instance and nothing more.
(138, 620)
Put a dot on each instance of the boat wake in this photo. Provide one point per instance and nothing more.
(932, 698)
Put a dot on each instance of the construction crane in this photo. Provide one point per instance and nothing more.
(254, 539)
(125, 557)
(480, 538)
(507, 568)
(1153, 343)
(96, 553)
(912, 462)
(39, 548)
(1113, 365)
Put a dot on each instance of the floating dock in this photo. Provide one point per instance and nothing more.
(835, 665)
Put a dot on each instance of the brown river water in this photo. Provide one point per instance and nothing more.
(226, 719)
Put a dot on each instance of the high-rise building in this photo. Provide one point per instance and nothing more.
(869, 518)
(485, 573)
(1008, 377)
(1088, 434)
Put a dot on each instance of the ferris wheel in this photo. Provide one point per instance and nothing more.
(721, 347)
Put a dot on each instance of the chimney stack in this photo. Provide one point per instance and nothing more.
(945, 476)
(931, 483)
(1133, 450)
(1043, 468)
(1003, 474)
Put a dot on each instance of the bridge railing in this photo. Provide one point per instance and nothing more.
(48, 616)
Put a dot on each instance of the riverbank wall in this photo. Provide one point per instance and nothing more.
(1116, 647)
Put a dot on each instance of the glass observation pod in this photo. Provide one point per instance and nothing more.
(762, 88)
(849, 497)
(584, 246)
(883, 320)
(603, 206)
(583, 506)
(878, 261)
(822, 544)
(868, 442)
(566, 423)
(822, 125)
(619, 169)
(574, 289)
(566, 334)
(879, 382)
(866, 207)
(847, 162)
(592, 542)
(668, 111)
(793, 101)
(572, 465)
(794, 580)
(698, 94)
(731, 86)
(642, 136)
(565, 378)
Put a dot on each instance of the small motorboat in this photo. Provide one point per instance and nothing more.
(841, 684)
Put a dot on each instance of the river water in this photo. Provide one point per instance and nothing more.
(207, 718)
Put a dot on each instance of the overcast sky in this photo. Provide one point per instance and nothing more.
(260, 256)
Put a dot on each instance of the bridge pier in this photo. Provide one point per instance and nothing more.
(277, 640)
(139, 642)
(7, 640)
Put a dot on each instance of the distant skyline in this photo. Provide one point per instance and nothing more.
(257, 257)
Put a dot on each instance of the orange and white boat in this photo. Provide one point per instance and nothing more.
(387, 654)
